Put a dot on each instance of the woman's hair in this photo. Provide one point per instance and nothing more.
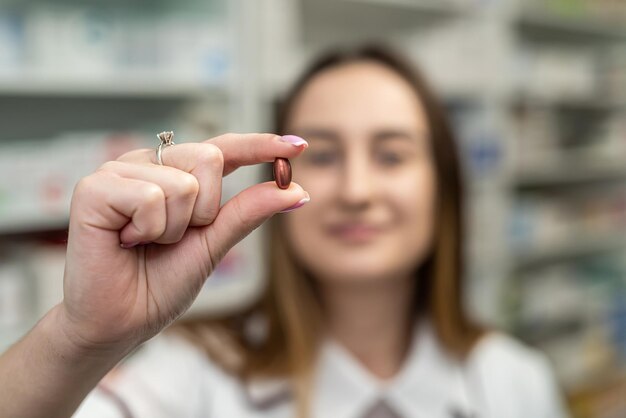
(290, 307)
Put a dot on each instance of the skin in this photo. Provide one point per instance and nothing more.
(369, 164)
(116, 297)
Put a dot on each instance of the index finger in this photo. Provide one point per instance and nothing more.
(249, 149)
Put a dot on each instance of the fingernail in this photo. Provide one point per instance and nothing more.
(300, 203)
(294, 140)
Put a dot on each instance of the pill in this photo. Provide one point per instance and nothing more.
(282, 172)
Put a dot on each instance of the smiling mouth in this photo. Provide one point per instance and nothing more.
(354, 232)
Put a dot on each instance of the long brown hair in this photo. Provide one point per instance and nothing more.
(290, 306)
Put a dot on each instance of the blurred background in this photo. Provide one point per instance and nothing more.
(536, 90)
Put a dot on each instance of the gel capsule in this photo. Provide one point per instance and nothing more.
(282, 172)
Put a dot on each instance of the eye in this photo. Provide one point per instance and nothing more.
(390, 158)
(321, 158)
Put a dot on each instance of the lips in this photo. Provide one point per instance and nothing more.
(354, 232)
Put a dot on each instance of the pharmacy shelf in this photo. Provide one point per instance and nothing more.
(433, 8)
(538, 331)
(33, 224)
(135, 87)
(592, 104)
(140, 5)
(572, 249)
(570, 172)
(546, 26)
(326, 21)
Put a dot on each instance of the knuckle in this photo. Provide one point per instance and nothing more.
(270, 137)
(212, 155)
(188, 185)
(91, 183)
(155, 228)
(112, 166)
(84, 185)
(153, 197)
(152, 194)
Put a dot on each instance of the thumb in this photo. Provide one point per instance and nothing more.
(246, 211)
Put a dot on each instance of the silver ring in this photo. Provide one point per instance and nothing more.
(165, 140)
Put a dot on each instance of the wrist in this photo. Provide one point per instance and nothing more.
(67, 344)
(48, 372)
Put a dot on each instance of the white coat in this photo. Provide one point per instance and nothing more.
(169, 377)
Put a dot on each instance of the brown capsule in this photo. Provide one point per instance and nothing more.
(282, 172)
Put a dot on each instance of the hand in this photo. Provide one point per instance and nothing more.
(123, 294)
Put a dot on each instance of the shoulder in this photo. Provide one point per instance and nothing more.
(498, 349)
(169, 359)
(166, 376)
(503, 359)
(513, 373)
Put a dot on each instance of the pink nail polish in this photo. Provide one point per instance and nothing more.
(300, 203)
(294, 140)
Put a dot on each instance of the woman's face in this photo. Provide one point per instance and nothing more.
(369, 172)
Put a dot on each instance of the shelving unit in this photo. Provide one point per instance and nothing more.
(570, 250)
(137, 87)
(63, 115)
(536, 152)
(577, 183)
(561, 174)
(326, 21)
(546, 25)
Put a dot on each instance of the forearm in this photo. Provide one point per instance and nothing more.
(47, 375)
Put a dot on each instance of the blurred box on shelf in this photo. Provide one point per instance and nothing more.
(37, 177)
(548, 135)
(46, 266)
(541, 224)
(472, 46)
(608, 10)
(11, 53)
(69, 42)
(556, 72)
(614, 75)
(576, 313)
(89, 44)
(533, 132)
(17, 300)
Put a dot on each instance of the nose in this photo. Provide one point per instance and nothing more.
(356, 187)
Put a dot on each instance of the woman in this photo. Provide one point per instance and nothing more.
(363, 315)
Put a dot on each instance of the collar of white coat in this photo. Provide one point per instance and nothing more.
(431, 383)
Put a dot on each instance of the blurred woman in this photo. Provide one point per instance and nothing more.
(363, 315)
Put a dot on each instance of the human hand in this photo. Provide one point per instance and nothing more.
(124, 294)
